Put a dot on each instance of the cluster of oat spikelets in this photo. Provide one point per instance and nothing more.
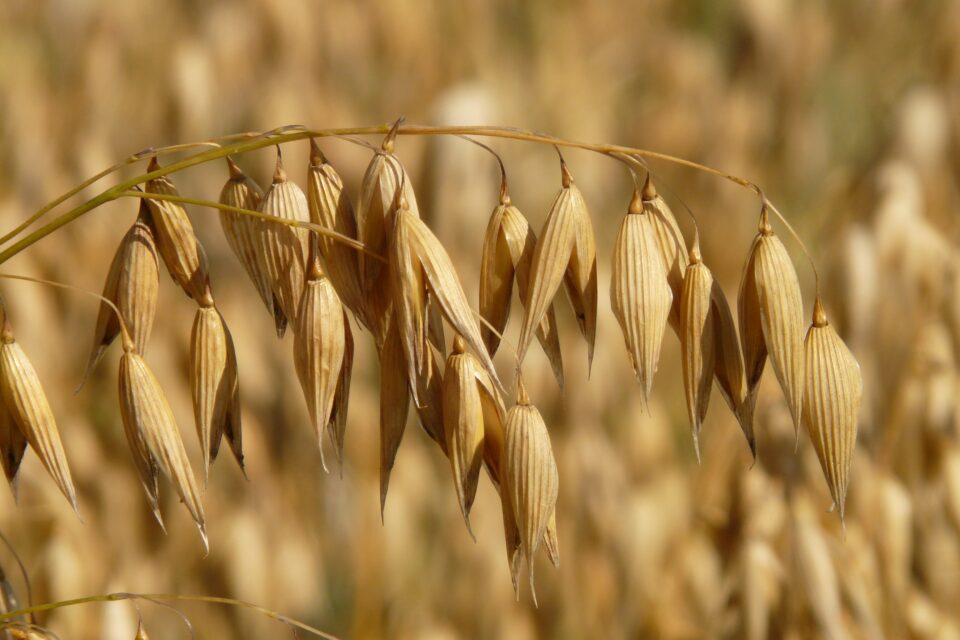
(383, 266)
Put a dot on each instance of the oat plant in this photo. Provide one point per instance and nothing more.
(325, 264)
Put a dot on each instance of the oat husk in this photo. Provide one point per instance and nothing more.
(179, 247)
(833, 392)
(132, 284)
(154, 437)
(394, 405)
(671, 244)
(697, 340)
(565, 253)
(729, 369)
(12, 447)
(530, 472)
(508, 248)
(27, 405)
(639, 293)
(243, 231)
(319, 347)
(283, 249)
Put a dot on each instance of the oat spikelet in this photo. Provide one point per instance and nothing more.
(728, 366)
(27, 405)
(213, 381)
(671, 244)
(12, 447)
(341, 400)
(407, 284)
(319, 346)
(833, 391)
(531, 474)
(697, 340)
(429, 386)
(133, 284)
(283, 249)
(330, 207)
(639, 293)
(179, 247)
(511, 532)
(508, 248)
(779, 307)
(445, 288)
(154, 437)
(565, 253)
(243, 232)
(463, 419)
(394, 405)
(379, 199)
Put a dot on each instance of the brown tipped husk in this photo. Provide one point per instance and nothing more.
(531, 475)
(154, 437)
(283, 249)
(243, 231)
(565, 253)
(409, 298)
(833, 392)
(133, 284)
(213, 381)
(330, 207)
(178, 244)
(640, 295)
(319, 346)
(30, 411)
(697, 343)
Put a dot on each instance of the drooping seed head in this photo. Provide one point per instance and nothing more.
(697, 341)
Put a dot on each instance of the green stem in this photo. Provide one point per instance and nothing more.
(167, 597)
(290, 134)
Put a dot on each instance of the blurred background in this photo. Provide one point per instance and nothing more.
(846, 114)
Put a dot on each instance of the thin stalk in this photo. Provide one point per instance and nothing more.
(296, 132)
(168, 597)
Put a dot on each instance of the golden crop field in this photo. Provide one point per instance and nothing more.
(754, 218)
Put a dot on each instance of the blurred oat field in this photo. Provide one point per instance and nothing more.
(848, 115)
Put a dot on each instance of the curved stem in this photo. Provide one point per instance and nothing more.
(297, 132)
(167, 597)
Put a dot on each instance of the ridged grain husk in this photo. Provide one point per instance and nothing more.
(771, 317)
(429, 384)
(12, 447)
(319, 348)
(639, 293)
(330, 207)
(283, 249)
(464, 384)
(697, 340)
(154, 438)
(428, 256)
(394, 404)
(379, 200)
(30, 411)
(133, 285)
(565, 253)
(728, 366)
(243, 231)
(508, 248)
(671, 244)
(214, 382)
(531, 474)
(178, 244)
(832, 394)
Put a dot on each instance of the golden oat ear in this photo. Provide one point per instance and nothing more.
(394, 405)
(211, 380)
(833, 390)
(639, 293)
(319, 347)
(154, 437)
(670, 242)
(132, 284)
(28, 409)
(729, 368)
(178, 244)
(697, 340)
